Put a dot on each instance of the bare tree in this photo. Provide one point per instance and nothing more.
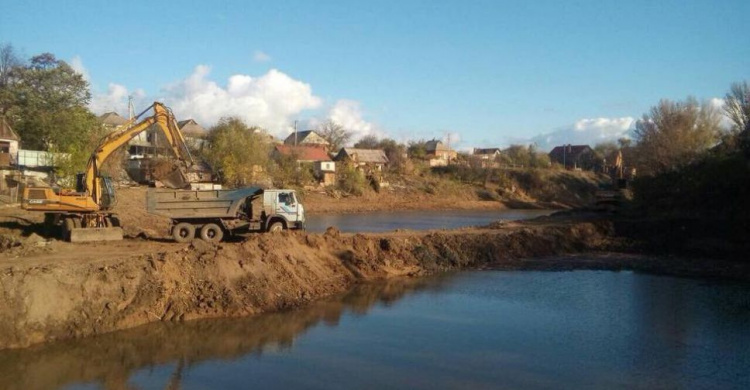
(737, 106)
(335, 134)
(674, 134)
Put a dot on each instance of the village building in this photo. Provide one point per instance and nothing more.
(324, 169)
(573, 156)
(111, 120)
(8, 144)
(369, 159)
(439, 154)
(486, 154)
(194, 134)
(485, 158)
(307, 137)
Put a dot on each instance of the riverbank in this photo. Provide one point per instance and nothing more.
(56, 290)
(60, 290)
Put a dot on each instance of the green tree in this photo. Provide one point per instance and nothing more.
(417, 149)
(674, 134)
(350, 180)
(538, 159)
(368, 142)
(238, 153)
(518, 155)
(48, 105)
(10, 63)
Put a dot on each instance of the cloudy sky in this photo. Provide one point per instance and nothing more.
(484, 73)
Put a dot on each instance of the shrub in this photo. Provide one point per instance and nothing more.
(350, 180)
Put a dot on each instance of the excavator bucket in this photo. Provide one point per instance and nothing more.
(171, 175)
(175, 179)
(96, 234)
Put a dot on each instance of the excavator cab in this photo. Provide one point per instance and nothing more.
(108, 199)
(81, 182)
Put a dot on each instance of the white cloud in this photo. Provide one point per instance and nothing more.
(77, 64)
(270, 101)
(587, 131)
(260, 56)
(116, 99)
(348, 113)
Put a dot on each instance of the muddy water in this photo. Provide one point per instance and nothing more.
(488, 329)
(415, 220)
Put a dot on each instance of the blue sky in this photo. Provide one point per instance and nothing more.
(488, 72)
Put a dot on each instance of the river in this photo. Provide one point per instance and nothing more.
(415, 220)
(479, 329)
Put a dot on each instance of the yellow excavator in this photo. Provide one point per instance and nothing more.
(85, 214)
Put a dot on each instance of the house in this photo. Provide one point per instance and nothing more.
(307, 137)
(325, 171)
(323, 168)
(485, 158)
(111, 120)
(194, 134)
(191, 128)
(438, 154)
(370, 159)
(573, 156)
(486, 154)
(8, 144)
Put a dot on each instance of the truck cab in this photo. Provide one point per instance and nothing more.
(286, 210)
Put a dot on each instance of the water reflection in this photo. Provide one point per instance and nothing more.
(111, 360)
(583, 329)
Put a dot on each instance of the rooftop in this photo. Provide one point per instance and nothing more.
(6, 132)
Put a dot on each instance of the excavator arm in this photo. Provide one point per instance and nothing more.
(165, 121)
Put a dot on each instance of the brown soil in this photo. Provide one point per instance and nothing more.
(61, 290)
(52, 290)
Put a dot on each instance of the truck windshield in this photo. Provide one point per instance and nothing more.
(286, 198)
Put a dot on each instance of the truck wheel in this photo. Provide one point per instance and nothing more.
(211, 233)
(276, 227)
(183, 232)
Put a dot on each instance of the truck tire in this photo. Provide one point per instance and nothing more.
(183, 232)
(276, 227)
(212, 233)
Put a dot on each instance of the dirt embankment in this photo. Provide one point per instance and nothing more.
(69, 290)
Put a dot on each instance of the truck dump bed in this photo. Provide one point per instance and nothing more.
(186, 204)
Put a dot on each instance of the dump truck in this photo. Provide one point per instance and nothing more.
(213, 215)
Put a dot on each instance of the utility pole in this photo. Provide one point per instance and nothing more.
(448, 143)
(295, 132)
(131, 109)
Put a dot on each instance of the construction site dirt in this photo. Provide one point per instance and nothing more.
(54, 290)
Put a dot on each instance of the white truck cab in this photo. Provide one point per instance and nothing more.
(284, 204)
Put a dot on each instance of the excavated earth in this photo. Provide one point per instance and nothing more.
(51, 290)
(55, 290)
